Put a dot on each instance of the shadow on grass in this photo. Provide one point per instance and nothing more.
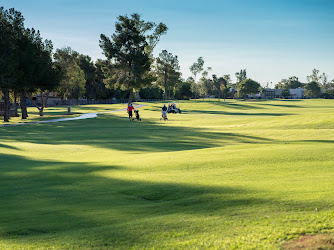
(283, 105)
(238, 105)
(291, 100)
(48, 197)
(215, 112)
(318, 141)
(8, 146)
(109, 131)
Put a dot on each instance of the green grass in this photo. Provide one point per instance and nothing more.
(234, 174)
(61, 112)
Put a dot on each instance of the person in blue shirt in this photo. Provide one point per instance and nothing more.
(164, 112)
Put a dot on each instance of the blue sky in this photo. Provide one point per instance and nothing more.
(272, 40)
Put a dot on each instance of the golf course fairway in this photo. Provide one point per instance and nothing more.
(221, 175)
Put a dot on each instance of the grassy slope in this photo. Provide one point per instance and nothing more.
(220, 175)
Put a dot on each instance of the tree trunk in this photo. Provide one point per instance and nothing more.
(23, 104)
(43, 103)
(46, 99)
(15, 103)
(7, 104)
(165, 79)
(137, 96)
(165, 93)
(35, 104)
(130, 96)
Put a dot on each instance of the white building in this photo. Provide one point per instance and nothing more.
(297, 93)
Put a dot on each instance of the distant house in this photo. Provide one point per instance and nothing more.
(268, 93)
(255, 96)
(53, 100)
(297, 93)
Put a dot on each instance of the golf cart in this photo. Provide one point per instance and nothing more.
(174, 108)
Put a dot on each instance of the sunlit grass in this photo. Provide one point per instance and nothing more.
(231, 174)
(61, 112)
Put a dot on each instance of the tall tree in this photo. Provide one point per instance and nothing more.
(73, 81)
(324, 81)
(227, 79)
(331, 84)
(87, 66)
(287, 84)
(293, 83)
(30, 49)
(314, 77)
(241, 76)
(221, 85)
(312, 89)
(183, 90)
(247, 87)
(321, 79)
(151, 31)
(11, 26)
(167, 69)
(28, 60)
(128, 53)
(197, 67)
(47, 75)
(226, 84)
(206, 84)
(103, 84)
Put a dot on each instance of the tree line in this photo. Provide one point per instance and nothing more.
(30, 69)
(26, 64)
(315, 83)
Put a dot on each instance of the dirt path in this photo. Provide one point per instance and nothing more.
(80, 117)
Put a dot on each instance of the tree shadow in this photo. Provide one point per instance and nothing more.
(56, 196)
(237, 105)
(114, 132)
(290, 100)
(8, 146)
(283, 105)
(215, 112)
(47, 197)
(318, 141)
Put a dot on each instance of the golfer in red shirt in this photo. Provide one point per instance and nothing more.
(130, 109)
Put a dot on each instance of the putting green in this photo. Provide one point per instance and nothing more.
(234, 174)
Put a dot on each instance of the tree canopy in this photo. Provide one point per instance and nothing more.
(25, 60)
(72, 85)
(312, 89)
(247, 87)
(167, 70)
(241, 76)
(128, 51)
(197, 67)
